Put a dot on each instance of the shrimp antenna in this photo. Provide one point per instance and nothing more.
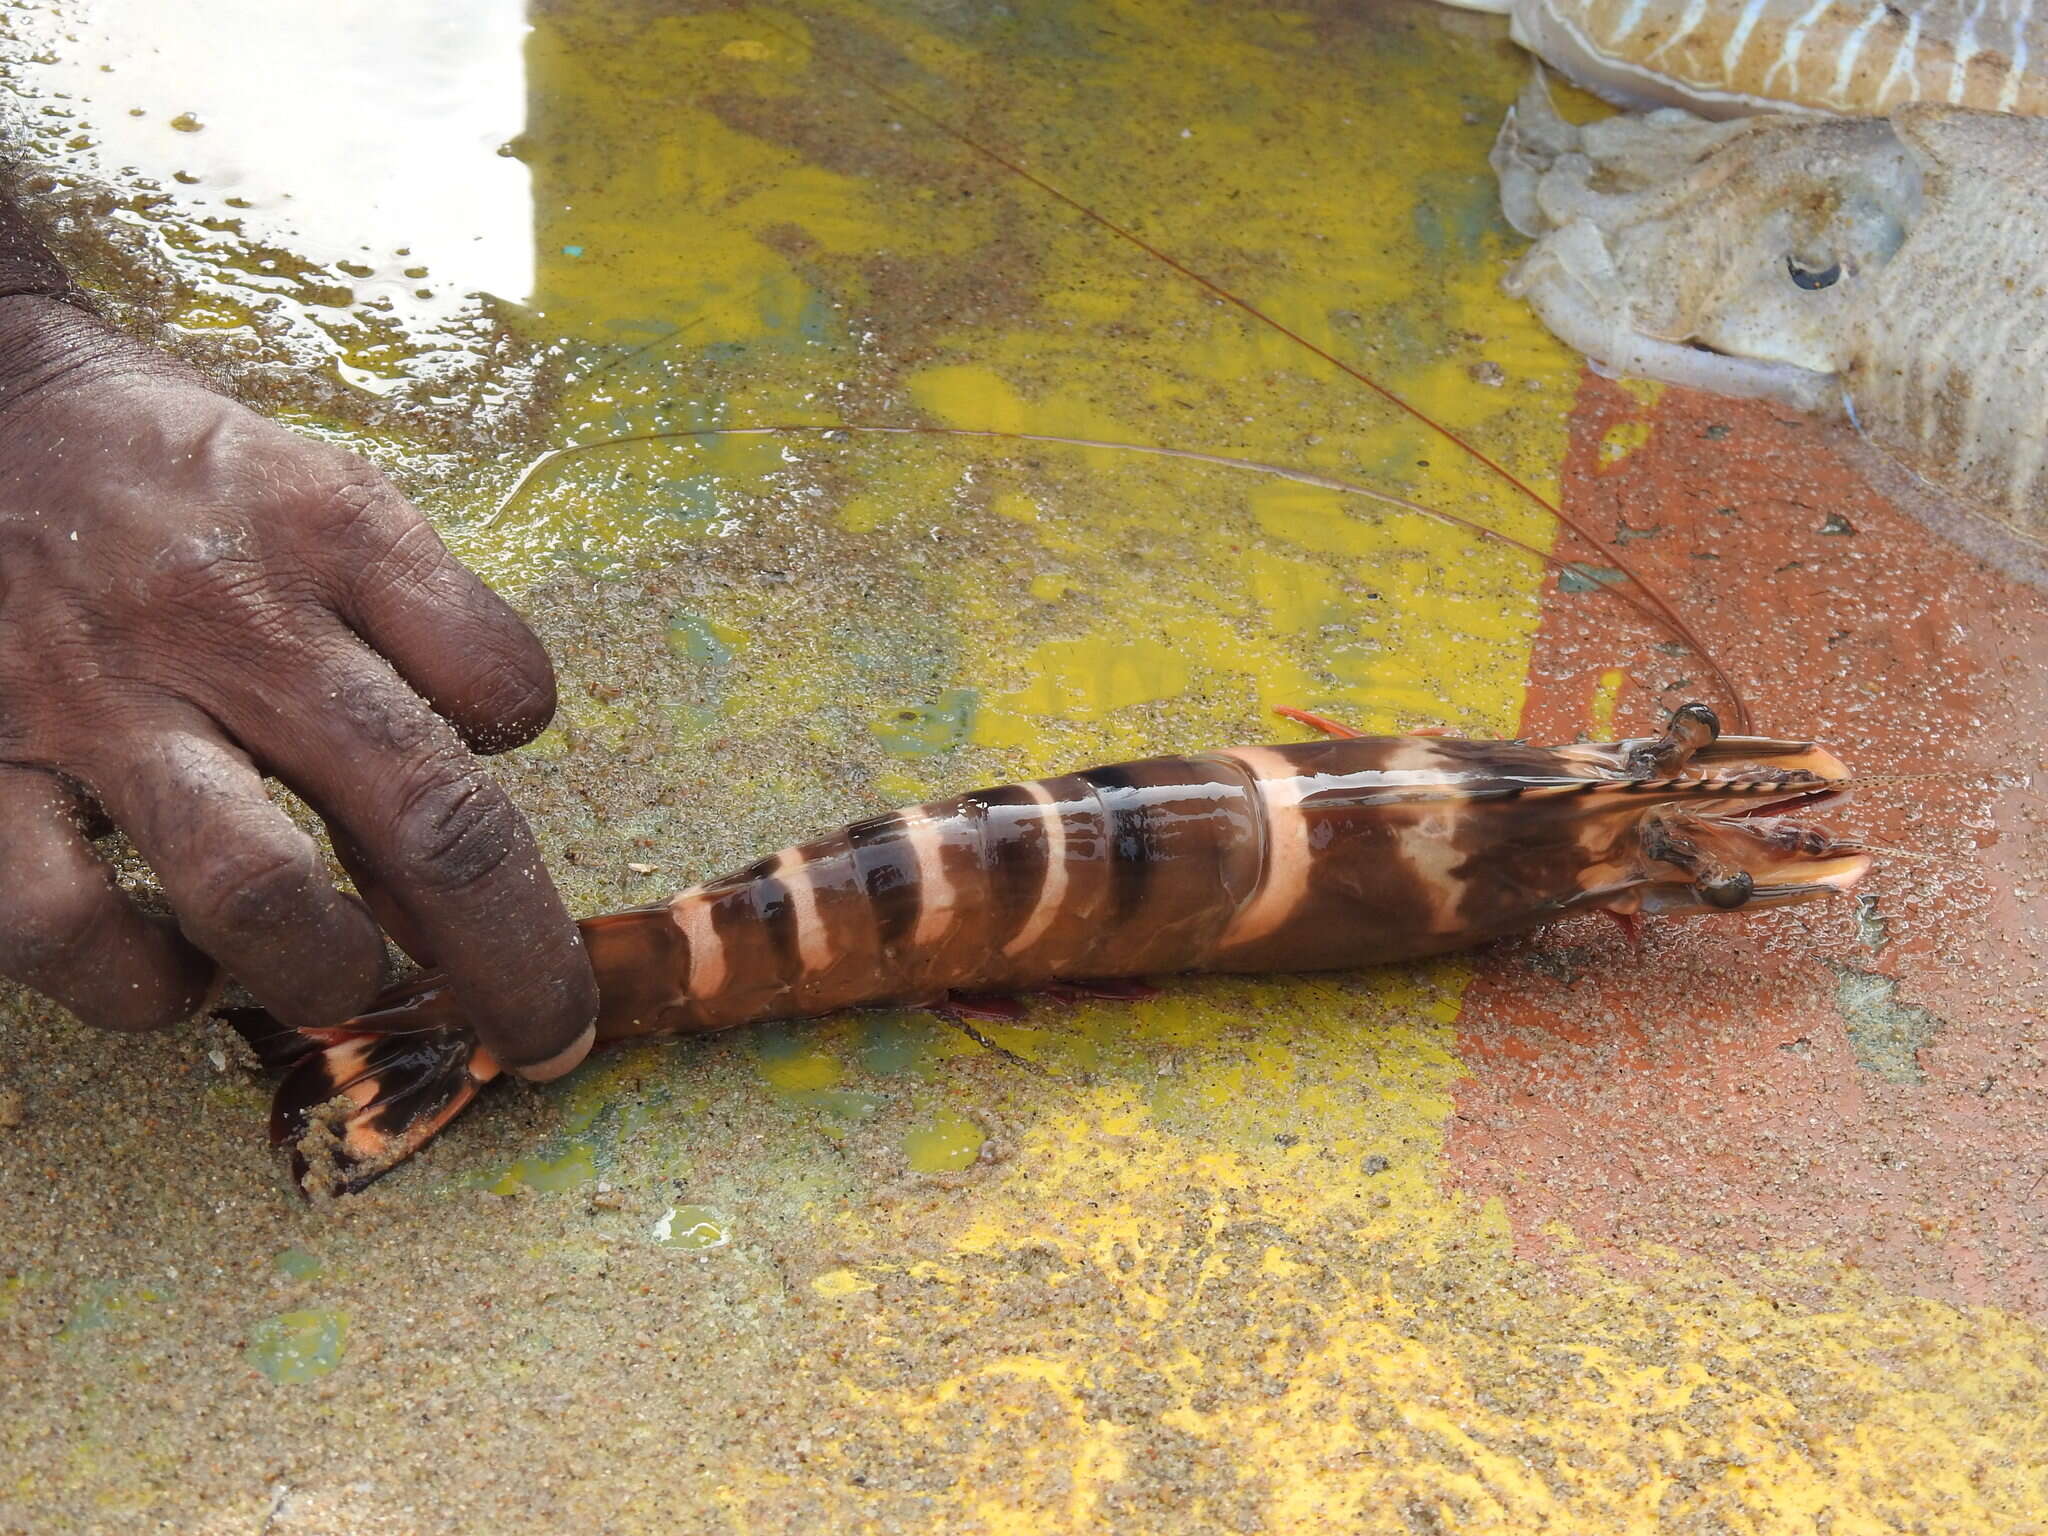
(1908, 854)
(1225, 461)
(1663, 609)
(1856, 779)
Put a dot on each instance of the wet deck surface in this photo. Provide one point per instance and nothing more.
(1737, 1230)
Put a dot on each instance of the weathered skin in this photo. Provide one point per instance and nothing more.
(1320, 855)
(1889, 271)
(1727, 58)
(193, 599)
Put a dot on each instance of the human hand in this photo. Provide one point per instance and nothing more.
(192, 597)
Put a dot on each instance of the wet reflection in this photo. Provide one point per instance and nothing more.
(351, 156)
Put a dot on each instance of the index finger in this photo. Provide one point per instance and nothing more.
(442, 841)
(396, 584)
(451, 637)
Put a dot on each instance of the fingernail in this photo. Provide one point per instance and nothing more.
(564, 1060)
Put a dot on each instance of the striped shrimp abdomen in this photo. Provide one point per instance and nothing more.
(1117, 871)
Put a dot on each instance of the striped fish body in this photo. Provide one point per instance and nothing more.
(1891, 271)
(1728, 58)
(1311, 856)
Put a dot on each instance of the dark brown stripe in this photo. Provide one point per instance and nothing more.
(886, 866)
(739, 879)
(644, 958)
(754, 981)
(779, 919)
(1130, 836)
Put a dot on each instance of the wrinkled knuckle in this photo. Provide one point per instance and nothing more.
(407, 561)
(415, 549)
(251, 890)
(53, 934)
(390, 720)
(457, 830)
(207, 565)
(348, 501)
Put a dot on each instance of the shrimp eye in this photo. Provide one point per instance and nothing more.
(1728, 894)
(1811, 278)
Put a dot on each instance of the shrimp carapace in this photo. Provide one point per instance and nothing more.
(1308, 856)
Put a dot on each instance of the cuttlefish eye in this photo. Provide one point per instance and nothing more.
(1811, 278)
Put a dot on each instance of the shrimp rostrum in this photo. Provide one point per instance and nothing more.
(1312, 856)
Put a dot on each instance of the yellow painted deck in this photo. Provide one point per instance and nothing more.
(1215, 1263)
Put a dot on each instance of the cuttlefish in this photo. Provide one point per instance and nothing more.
(1725, 58)
(1890, 271)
